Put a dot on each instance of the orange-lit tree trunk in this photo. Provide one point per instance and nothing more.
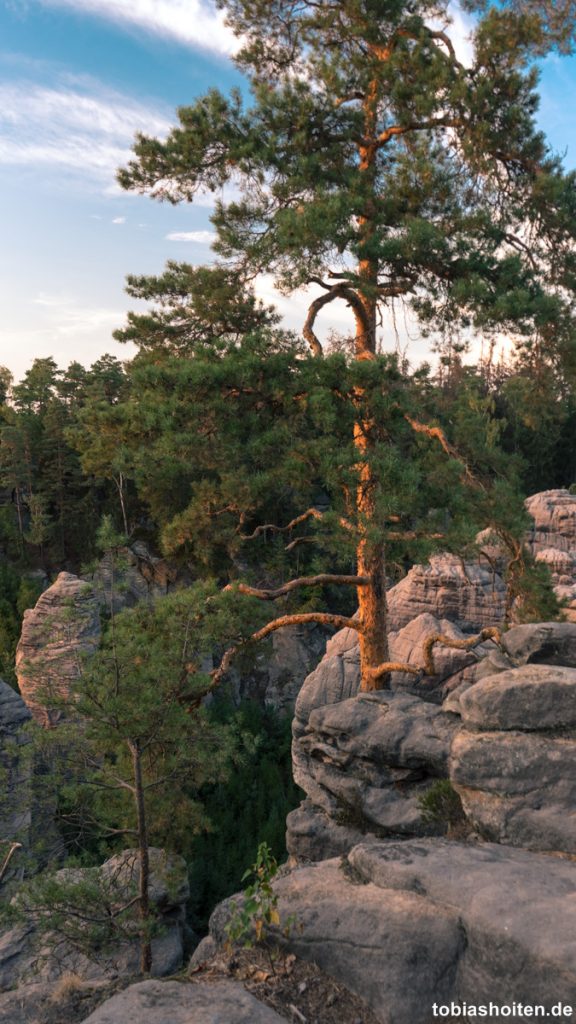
(370, 554)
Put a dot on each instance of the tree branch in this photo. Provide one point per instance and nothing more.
(490, 633)
(438, 434)
(340, 290)
(324, 618)
(302, 581)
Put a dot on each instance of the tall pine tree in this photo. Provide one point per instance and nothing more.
(373, 165)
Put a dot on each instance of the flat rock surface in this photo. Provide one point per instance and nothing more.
(518, 910)
(396, 950)
(531, 697)
(173, 1002)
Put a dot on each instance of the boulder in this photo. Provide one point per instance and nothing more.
(365, 762)
(174, 1002)
(547, 643)
(397, 951)
(25, 955)
(534, 697)
(63, 626)
(554, 515)
(516, 910)
(518, 788)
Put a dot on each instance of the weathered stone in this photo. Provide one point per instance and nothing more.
(131, 575)
(62, 627)
(365, 762)
(26, 956)
(470, 595)
(516, 909)
(169, 888)
(546, 643)
(532, 697)
(396, 950)
(554, 515)
(518, 788)
(173, 1002)
(312, 835)
(276, 677)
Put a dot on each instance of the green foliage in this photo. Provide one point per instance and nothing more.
(77, 913)
(259, 793)
(17, 593)
(251, 920)
(441, 806)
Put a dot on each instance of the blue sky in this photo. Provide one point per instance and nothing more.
(77, 79)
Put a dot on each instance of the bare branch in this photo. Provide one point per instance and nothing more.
(302, 581)
(438, 434)
(311, 513)
(374, 674)
(340, 290)
(324, 618)
(490, 633)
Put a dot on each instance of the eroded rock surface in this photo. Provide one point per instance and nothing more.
(63, 626)
(470, 595)
(406, 924)
(173, 1002)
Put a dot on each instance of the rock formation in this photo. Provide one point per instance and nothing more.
(504, 735)
(26, 957)
(63, 626)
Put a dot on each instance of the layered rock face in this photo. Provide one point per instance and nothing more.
(505, 735)
(553, 541)
(62, 627)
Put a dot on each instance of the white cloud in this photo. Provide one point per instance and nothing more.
(119, 220)
(77, 125)
(192, 22)
(200, 237)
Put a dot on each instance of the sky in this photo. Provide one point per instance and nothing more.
(78, 78)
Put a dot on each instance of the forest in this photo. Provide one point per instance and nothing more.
(290, 478)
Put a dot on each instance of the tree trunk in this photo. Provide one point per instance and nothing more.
(144, 877)
(370, 554)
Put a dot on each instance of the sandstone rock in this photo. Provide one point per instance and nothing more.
(277, 675)
(518, 788)
(554, 515)
(130, 575)
(365, 762)
(312, 835)
(25, 955)
(516, 909)
(62, 627)
(547, 643)
(173, 1002)
(470, 595)
(396, 950)
(169, 888)
(532, 697)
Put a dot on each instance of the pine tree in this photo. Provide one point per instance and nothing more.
(373, 165)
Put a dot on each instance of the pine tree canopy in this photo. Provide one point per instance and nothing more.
(371, 163)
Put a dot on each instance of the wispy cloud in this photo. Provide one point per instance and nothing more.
(119, 220)
(75, 124)
(200, 237)
(192, 22)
